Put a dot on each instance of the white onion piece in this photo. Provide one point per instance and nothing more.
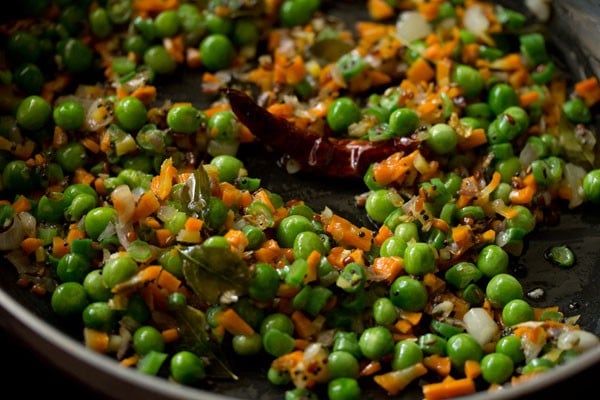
(12, 237)
(411, 26)
(475, 20)
(539, 8)
(574, 175)
(165, 213)
(29, 223)
(577, 340)
(480, 325)
(528, 154)
(122, 195)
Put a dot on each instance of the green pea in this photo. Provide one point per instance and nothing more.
(218, 24)
(69, 299)
(431, 343)
(537, 365)
(29, 78)
(307, 242)
(278, 321)
(403, 121)
(517, 311)
(229, 167)
(445, 329)
(245, 32)
(343, 388)
(159, 60)
(300, 394)
(523, 219)
(393, 246)
(342, 113)
(290, 227)
(97, 220)
(167, 23)
(131, 113)
(384, 311)
(462, 274)
(23, 47)
(406, 354)
(76, 56)
(277, 343)
(146, 339)
(217, 213)
(247, 345)
(479, 111)
(73, 267)
(184, 118)
(71, 156)
(503, 288)
(551, 315)
(135, 44)
(278, 377)
(407, 231)
(501, 96)
(342, 364)
(216, 51)
(469, 79)
(492, 260)
(99, 316)
(419, 258)
(442, 139)
(69, 115)
(511, 346)
(296, 12)
(376, 342)
(379, 204)
(496, 368)
(118, 269)
(264, 283)
(33, 113)
(577, 111)
(533, 46)
(255, 236)
(408, 294)
(100, 23)
(95, 287)
(462, 347)
(508, 168)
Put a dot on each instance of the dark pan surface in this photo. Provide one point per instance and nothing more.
(575, 290)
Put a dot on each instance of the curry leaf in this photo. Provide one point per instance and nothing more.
(214, 271)
(193, 330)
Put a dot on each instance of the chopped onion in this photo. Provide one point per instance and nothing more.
(528, 154)
(12, 237)
(165, 213)
(574, 175)
(411, 26)
(480, 325)
(577, 340)
(475, 20)
(540, 8)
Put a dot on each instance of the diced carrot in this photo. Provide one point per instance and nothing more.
(302, 324)
(371, 368)
(147, 205)
(30, 244)
(90, 144)
(440, 364)
(589, 90)
(313, 260)
(475, 139)
(403, 326)
(387, 268)
(82, 176)
(411, 316)
(21, 204)
(237, 240)
(525, 194)
(96, 340)
(146, 94)
(528, 98)
(383, 233)
(130, 361)
(433, 283)
(154, 6)
(443, 69)
(234, 323)
(348, 234)
(472, 369)
(170, 335)
(168, 281)
(420, 71)
(394, 168)
(59, 247)
(269, 252)
(164, 237)
(59, 138)
(379, 9)
(282, 110)
(449, 389)
(162, 184)
(193, 224)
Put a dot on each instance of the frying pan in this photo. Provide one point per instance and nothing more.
(29, 324)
